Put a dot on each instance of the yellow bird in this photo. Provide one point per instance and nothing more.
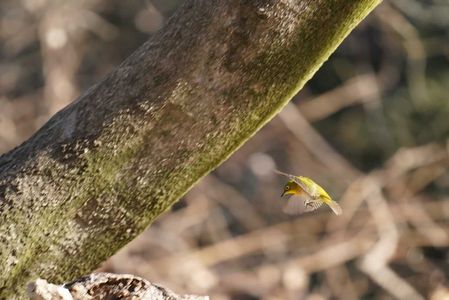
(304, 195)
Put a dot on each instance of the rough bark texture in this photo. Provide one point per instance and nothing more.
(102, 169)
(104, 286)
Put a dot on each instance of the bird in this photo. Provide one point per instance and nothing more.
(305, 195)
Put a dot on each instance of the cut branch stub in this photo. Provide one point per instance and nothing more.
(104, 286)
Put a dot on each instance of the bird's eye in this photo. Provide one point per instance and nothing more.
(287, 187)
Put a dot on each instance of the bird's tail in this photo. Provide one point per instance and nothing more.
(336, 208)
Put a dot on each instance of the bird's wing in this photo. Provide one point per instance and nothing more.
(308, 185)
(289, 176)
(296, 179)
(312, 188)
(297, 204)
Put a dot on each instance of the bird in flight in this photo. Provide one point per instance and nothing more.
(304, 195)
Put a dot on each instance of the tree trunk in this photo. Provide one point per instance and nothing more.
(102, 169)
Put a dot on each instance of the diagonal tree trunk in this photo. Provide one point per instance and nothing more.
(102, 169)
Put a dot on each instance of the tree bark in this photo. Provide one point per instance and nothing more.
(104, 286)
(102, 169)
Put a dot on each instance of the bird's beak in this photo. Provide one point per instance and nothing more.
(283, 194)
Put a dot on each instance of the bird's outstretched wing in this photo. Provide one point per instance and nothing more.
(311, 187)
(289, 176)
(298, 180)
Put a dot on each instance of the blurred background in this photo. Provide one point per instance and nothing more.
(372, 127)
